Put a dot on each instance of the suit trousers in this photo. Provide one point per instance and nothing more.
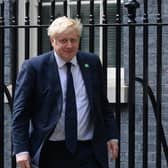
(55, 155)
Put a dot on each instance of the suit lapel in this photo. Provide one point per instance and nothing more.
(54, 80)
(85, 68)
(53, 71)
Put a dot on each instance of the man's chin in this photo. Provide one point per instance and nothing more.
(69, 55)
(67, 58)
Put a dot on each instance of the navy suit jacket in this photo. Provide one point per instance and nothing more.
(38, 104)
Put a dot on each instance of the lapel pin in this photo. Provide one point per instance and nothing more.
(86, 65)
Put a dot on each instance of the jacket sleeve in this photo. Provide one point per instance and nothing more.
(22, 108)
(108, 114)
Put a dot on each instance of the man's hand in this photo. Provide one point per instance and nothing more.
(113, 148)
(23, 160)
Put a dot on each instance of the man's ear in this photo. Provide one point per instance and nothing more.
(52, 41)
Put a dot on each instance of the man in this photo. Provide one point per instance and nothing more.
(43, 134)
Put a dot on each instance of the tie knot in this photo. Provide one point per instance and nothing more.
(68, 64)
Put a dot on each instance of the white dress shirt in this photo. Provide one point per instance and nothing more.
(85, 126)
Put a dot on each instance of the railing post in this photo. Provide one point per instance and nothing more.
(14, 22)
(145, 86)
(39, 29)
(52, 17)
(159, 86)
(104, 42)
(1, 85)
(78, 15)
(65, 4)
(91, 27)
(132, 5)
(118, 75)
(27, 30)
(14, 68)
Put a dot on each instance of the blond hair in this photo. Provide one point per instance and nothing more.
(61, 24)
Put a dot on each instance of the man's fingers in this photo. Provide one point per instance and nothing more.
(113, 149)
(114, 153)
(24, 164)
(23, 160)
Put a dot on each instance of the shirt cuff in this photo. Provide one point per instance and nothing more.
(115, 140)
(22, 153)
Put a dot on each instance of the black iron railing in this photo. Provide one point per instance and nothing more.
(132, 26)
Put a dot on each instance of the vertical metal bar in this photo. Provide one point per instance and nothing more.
(159, 84)
(14, 57)
(91, 27)
(65, 7)
(39, 29)
(14, 41)
(27, 30)
(118, 72)
(131, 5)
(78, 15)
(2, 85)
(145, 87)
(52, 16)
(104, 42)
(131, 96)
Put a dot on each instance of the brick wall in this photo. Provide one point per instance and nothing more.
(124, 109)
(7, 115)
(152, 82)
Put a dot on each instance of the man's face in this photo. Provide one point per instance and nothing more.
(66, 44)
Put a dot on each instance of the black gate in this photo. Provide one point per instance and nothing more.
(138, 45)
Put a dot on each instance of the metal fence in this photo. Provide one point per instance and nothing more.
(148, 95)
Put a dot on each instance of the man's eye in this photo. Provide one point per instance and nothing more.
(73, 40)
(64, 40)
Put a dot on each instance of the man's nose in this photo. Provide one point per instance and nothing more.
(69, 43)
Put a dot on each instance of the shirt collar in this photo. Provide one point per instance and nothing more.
(61, 62)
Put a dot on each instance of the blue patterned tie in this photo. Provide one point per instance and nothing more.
(70, 113)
